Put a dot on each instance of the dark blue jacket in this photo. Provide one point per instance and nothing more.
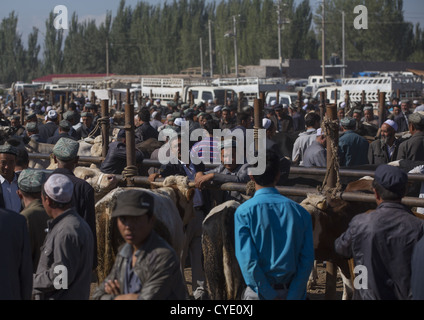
(382, 241)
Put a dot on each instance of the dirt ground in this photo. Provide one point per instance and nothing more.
(315, 293)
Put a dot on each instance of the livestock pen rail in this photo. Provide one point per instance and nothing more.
(287, 191)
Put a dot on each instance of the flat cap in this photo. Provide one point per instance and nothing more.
(7, 148)
(65, 124)
(31, 126)
(66, 149)
(348, 122)
(229, 143)
(31, 180)
(87, 114)
(391, 178)
(134, 203)
(59, 188)
(416, 118)
(31, 116)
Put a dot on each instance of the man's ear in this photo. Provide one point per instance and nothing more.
(376, 194)
(252, 178)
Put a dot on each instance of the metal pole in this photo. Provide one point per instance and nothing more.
(210, 48)
(323, 41)
(107, 57)
(105, 127)
(279, 39)
(343, 45)
(129, 135)
(235, 45)
(257, 111)
(331, 269)
(381, 109)
(201, 57)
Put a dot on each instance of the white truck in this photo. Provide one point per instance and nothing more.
(409, 86)
(201, 90)
(252, 86)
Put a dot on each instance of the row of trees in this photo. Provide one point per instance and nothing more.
(165, 38)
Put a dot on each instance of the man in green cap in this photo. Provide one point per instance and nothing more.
(353, 148)
(8, 178)
(65, 154)
(30, 182)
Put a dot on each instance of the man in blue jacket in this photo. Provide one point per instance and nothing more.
(353, 149)
(273, 241)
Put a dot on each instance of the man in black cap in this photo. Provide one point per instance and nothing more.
(381, 242)
(64, 128)
(145, 131)
(116, 159)
(146, 267)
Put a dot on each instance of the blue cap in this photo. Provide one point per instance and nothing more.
(391, 178)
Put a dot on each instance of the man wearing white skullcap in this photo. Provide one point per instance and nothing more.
(385, 149)
(68, 244)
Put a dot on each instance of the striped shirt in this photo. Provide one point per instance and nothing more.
(207, 150)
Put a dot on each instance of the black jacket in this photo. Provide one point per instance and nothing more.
(383, 242)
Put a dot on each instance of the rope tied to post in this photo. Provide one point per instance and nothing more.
(129, 172)
(330, 127)
(100, 122)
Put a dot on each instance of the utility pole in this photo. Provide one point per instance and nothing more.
(323, 41)
(343, 45)
(235, 45)
(279, 22)
(107, 57)
(201, 58)
(210, 49)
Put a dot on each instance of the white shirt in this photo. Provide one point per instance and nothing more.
(11, 198)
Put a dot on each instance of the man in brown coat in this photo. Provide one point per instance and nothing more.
(29, 183)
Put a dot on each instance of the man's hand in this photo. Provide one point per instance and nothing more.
(153, 177)
(112, 287)
(201, 180)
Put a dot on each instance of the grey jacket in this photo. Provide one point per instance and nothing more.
(69, 243)
(383, 242)
(157, 267)
(223, 175)
(315, 156)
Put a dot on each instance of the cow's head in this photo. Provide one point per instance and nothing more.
(184, 194)
(101, 182)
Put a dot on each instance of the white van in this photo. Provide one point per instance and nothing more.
(318, 79)
(287, 98)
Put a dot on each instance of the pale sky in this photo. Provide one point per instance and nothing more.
(34, 13)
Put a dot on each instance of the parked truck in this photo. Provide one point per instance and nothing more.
(166, 89)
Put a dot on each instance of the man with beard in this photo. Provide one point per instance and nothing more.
(385, 149)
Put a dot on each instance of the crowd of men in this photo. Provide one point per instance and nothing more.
(64, 204)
